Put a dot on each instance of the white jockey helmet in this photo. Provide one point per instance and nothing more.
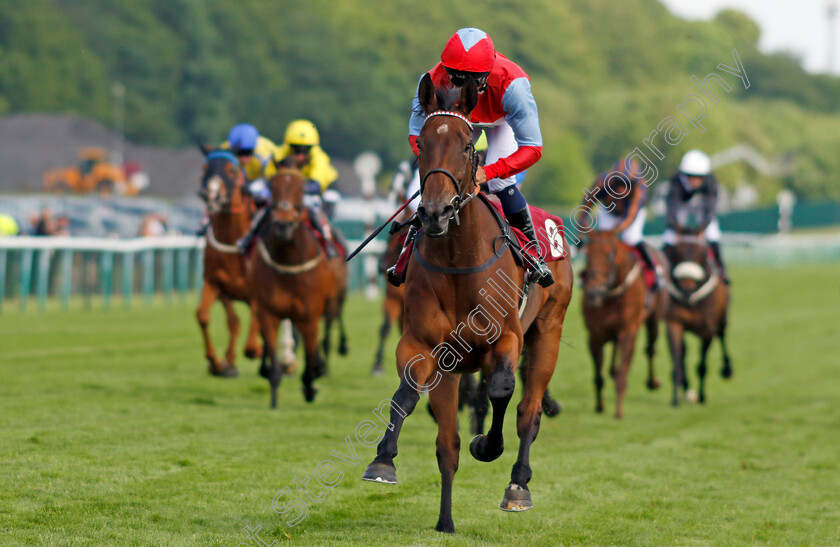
(696, 163)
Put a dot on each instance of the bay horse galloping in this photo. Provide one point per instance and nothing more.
(699, 304)
(616, 303)
(461, 310)
(294, 279)
(225, 270)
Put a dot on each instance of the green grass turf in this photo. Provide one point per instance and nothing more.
(112, 433)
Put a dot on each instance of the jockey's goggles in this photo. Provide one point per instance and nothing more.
(242, 152)
(300, 149)
(457, 77)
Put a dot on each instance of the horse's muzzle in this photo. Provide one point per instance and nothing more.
(284, 230)
(435, 219)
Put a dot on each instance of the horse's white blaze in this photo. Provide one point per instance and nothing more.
(443, 130)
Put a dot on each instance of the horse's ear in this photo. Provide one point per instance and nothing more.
(469, 96)
(205, 149)
(426, 95)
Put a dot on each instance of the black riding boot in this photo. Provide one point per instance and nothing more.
(539, 271)
(715, 246)
(244, 243)
(645, 253)
(315, 221)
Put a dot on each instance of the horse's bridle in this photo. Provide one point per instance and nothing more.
(228, 156)
(459, 200)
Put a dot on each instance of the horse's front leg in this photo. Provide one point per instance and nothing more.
(500, 385)
(269, 324)
(675, 343)
(209, 294)
(626, 343)
(445, 407)
(596, 349)
(233, 330)
(417, 369)
(652, 328)
(315, 365)
(253, 349)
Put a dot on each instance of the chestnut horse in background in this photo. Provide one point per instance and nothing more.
(699, 304)
(225, 270)
(293, 279)
(456, 319)
(616, 303)
(394, 296)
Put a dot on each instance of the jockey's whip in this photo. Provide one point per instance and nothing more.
(376, 232)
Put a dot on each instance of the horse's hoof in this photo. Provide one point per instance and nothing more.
(599, 408)
(445, 526)
(479, 450)
(517, 498)
(264, 371)
(253, 353)
(309, 393)
(289, 368)
(377, 371)
(691, 396)
(380, 472)
(652, 384)
(229, 371)
(342, 348)
(550, 407)
(726, 371)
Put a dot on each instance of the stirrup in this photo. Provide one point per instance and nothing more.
(392, 277)
(540, 274)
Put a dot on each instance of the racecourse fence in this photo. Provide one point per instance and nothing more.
(43, 268)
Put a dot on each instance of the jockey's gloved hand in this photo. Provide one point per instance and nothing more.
(313, 188)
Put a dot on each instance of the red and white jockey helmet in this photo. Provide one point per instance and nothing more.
(469, 50)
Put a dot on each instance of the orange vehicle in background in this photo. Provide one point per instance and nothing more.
(94, 174)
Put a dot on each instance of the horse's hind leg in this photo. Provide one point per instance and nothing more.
(550, 406)
(701, 368)
(726, 370)
(652, 328)
(481, 406)
(677, 347)
(233, 329)
(443, 400)
(253, 349)
(342, 334)
(543, 351)
(209, 294)
(377, 369)
(288, 359)
(500, 385)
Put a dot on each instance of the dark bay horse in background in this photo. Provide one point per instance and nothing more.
(461, 315)
(225, 270)
(293, 279)
(616, 303)
(699, 304)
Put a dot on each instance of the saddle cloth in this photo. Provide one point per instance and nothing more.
(549, 229)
